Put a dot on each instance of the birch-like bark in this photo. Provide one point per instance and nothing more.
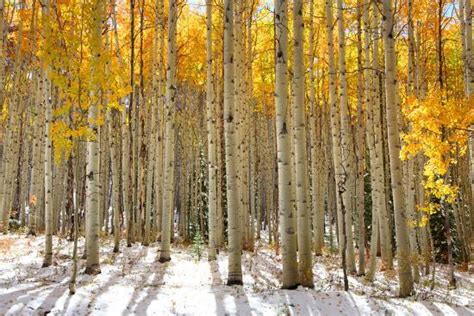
(48, 165)
(370, 140)
(93, 159)
(379, 174)
(286, 212)
(410, 176)
(211, 139)
(334, 116)
(403, 245)
(233, 205)
(168, 185)
(316, 138)
(299, 125)
(469, 78)
(35, 181)
(115, 161)
(346, 160)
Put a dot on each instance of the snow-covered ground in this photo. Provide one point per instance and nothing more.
(133, 282)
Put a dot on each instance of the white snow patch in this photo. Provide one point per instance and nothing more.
(133, 282)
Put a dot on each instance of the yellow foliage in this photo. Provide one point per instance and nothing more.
(438, 130)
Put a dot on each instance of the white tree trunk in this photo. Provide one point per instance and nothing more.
(287, 229)
(234, 220)
(299, 124)
(403, 245)
(168, 185)
(93, 159)
(211, 138)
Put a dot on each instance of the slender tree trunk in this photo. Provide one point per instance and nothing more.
(115, 160)
(360, 145)
(346, 161)
(235, 242)
(168, 185)
(48, 165)
(287, 229)
(403, 246)
(317, 198)
(369, 92)
(72, 282)
(379, 172)
(92, 168)
(299, 124)
(211, 139)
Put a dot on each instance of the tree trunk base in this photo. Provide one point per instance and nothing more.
(72, 289)
(232, 282)
(290, 287)
(46, 264)
(93, 270)
(452, 284)
(164, 259)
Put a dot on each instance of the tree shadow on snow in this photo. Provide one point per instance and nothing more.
(226, 296)
(149, 289)
(7, 300)
(308, 302)
(28, 298)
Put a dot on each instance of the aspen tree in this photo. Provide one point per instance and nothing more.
(35, 181)
(211, 139)
(316, 189)
(379, 174)
(233, 205)
(252, 163)
(360, 146)
(161, 87)
(169, 159)
(239, 105)
(369, 103)
(333, 108)
(75, 229)
(299, 124)
(132, 116)
(151, 153)
(469, 77)
(403, 245)
(287, 229)
(410, 183)
(36, 115)
(115, 161)
(8, 173)
(92, 167)
(14, 138)
(152, 172)
(48, 165)
(347, 167)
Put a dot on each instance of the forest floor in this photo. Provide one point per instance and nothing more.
(133, 282)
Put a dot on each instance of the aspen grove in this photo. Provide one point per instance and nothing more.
(251, 155)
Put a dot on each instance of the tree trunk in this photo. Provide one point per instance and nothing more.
(233, 210)
(403, 246)
(287, 229)
(211, 139)
(168, 185)
(299, 124)
(92, 168)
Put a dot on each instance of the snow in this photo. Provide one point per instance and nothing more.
(133, 282)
